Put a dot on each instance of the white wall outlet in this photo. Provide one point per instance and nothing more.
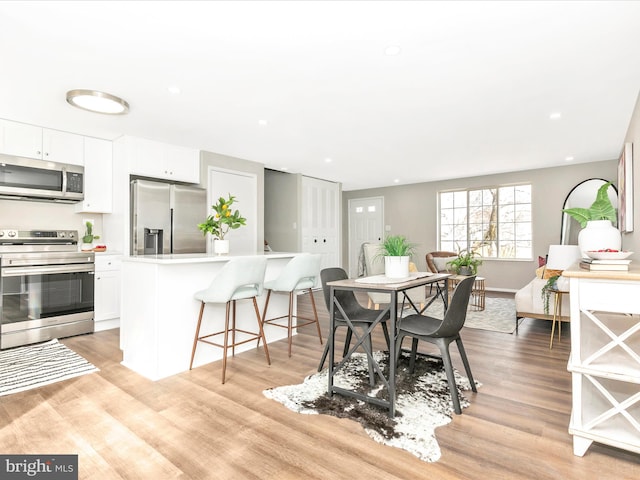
(387, 228)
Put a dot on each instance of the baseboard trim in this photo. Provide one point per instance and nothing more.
(505, 290)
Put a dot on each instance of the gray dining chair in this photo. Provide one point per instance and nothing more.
(359, 316)
(441, 332)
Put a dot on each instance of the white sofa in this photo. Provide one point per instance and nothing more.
(529, 302)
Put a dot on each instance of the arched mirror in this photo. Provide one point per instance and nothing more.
(582, 195)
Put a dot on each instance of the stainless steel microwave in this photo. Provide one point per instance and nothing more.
(33, 179)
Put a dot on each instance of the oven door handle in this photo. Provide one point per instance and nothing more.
(43, 270)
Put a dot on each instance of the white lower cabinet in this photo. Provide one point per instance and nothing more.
(107, 291)
(605, 359)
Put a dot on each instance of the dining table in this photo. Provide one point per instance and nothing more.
(396, 288)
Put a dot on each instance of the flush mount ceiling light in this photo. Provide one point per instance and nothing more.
(98, 102)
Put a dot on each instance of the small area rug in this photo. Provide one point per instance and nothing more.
(499, 315)
(32, 366)
(423, 401)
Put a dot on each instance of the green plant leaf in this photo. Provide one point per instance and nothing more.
(397, 246)
(600, 209)
(582, 215)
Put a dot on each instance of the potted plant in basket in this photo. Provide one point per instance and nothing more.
(223, 219)
(597, 222)
(466, 263)
(397, 251)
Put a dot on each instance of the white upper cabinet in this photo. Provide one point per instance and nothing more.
(24, 140)
(161, 160)
(20, 139)
(98, 176)
(62, 147)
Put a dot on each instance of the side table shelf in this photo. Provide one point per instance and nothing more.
(605, 360)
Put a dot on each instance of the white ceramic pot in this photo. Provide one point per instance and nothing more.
(86, 247)
(396, 267)
(221, 247)
(598, 235)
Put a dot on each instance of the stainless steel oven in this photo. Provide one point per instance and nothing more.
(46, 287)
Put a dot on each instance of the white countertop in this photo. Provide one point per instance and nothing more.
(181, 258)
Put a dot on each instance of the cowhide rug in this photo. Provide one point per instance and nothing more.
(423, 401)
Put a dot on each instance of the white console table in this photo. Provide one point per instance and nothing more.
(605, 358)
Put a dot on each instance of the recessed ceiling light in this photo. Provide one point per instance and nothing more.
(568, 159)
(555, 115)
(328, 160)
(396, 180)
(98, 102)
(262, 122)
(392, 50)
(173, 90)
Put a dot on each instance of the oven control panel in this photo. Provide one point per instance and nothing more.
(41, 236)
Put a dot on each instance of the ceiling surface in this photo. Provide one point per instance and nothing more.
(308, 86)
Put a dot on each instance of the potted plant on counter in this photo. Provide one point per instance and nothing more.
(597, 222)
(220, 222)
(88, 237)
(466, 263)
(397, 251)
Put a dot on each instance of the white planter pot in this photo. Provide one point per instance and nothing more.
(86, 247)
(598, 235)
(396, 267)
(221, 247)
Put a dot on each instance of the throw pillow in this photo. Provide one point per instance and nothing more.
(441, 263)
(548, 273)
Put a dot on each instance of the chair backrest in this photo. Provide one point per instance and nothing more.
(347, 299)
(456, 314)
(240, 277)
(300, 273)
(437, 261)
(373, 261)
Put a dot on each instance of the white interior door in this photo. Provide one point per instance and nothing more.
(244, 187)
(366, 224)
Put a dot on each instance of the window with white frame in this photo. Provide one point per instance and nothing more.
(495, 222)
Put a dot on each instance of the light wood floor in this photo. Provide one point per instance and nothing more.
(190, 426)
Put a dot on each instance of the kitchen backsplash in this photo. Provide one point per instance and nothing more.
(25, 215)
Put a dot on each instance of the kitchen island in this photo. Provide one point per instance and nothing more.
(159, 313)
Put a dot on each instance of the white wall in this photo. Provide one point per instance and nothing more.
(26, 215)
(411, 210)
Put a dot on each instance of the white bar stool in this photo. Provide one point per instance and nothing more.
(240, 278)
(301, 273)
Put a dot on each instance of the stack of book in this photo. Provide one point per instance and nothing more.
(604, 265)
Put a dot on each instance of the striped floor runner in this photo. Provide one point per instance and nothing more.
(33, 366)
